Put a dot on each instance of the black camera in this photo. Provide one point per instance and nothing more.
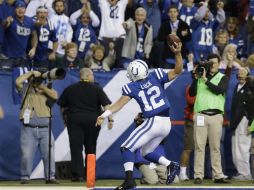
(202, 66)
(37, 81)
(53, 74)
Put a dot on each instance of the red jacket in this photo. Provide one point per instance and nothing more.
(188, 110)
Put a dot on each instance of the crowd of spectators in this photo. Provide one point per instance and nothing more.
(108, 34)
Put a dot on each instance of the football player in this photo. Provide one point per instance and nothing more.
(148, 90)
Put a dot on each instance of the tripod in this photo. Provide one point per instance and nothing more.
(50, 103)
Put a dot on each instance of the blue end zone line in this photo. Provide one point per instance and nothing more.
(182, 187)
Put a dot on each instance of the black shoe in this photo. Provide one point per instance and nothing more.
(78, 179)
(198, 181)
(24, 181)
(173, 169)
(52, 181)
(127, 185)
(221, 180)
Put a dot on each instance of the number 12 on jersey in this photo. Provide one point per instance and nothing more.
(152, 98)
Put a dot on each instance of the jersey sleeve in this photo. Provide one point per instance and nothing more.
(160, 75)
(126, 91)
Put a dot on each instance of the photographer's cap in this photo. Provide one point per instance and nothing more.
(42, 8)
(20, 4)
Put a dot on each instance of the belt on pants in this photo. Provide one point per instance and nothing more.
(36, 126)
(209, 113)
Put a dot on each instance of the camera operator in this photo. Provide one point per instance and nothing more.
(35, 116)
(209, 89)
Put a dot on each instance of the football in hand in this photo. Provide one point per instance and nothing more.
(172, 39)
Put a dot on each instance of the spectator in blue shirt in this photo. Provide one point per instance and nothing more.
(83, 21)
(6, 9)
(202, 27)
(46, 32)
(18, 31)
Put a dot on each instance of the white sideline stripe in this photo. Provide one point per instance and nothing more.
(112, 187)
(182, 187)
(42, 188)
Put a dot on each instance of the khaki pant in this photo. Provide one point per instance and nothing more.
(241, 143)
(151, 175)
(213, 130)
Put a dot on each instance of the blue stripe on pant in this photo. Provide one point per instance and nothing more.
(130, 138)
(139, 136)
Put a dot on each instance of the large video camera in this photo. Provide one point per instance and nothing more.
(53, 74)
(202, 66)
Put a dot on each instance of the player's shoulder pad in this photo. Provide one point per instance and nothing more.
(126, 89)
(159, 73)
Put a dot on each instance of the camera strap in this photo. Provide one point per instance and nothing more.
(26, 93)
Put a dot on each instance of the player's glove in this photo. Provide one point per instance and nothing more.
(139, 119)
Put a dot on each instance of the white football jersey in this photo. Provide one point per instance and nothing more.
(112, 18)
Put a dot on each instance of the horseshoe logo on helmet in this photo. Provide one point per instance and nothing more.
(133, 71)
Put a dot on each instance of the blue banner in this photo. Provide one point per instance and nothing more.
(109, 163)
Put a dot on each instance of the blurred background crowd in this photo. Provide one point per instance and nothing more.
(108, 34)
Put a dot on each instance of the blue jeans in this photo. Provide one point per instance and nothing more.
(30, 140)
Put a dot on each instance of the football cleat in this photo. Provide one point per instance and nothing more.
(127, 185)
(173, 170)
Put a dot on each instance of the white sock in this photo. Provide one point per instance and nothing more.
(183, 170)
(128, 166)
(163, 161)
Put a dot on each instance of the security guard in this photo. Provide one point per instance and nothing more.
(81, 105)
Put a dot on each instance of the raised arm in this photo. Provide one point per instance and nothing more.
(24, 77)
(49, 92)
(7, 22)
(74, 16)
(179, 61)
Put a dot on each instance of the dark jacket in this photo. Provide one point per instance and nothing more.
(165, 30)
(239, 106)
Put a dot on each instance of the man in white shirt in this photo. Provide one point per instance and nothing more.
(63, 26)
(111, 30)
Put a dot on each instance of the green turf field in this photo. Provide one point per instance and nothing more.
(113, 183)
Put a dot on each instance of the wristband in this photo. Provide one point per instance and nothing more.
(106, 113)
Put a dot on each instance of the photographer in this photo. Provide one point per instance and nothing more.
(35, 116)
(209, 86)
